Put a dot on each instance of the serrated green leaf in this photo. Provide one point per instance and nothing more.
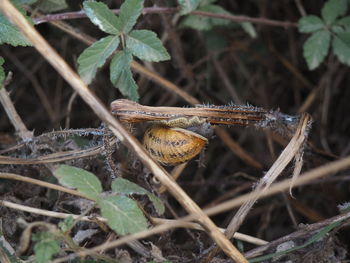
(187, 6)
(130, 10)
(121, 76)
(310, 24)
(123, 214)
(345, 22)
(45, 248)
(102, 16)
(316, 48)
(73, 177)
(2, 72)
(341, 47)
(95, 57)
(123, 186)
(145, 45)
(337, 29)
(52, 5)
(10, 34)
(333, 9)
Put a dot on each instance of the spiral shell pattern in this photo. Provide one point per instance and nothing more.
(172, 146)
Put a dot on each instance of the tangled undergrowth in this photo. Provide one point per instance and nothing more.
(59, 156)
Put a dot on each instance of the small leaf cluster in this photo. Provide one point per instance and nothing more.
(143, 44)
(331, 27)
(122, 213)
(207, 23)
(45, 246)
(9, 33)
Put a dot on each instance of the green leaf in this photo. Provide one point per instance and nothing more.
(249, 29)
(102, 16)
(316, 48)
(10, 34)
(145, 45)
(341, 47)
(337, 29)
(187, 6)
(2, 72)
(67, 224)
(310, 24)
(121, 76)
(333, 9)
(95, 56)
(130, 10)
(123, 186)
(45, 247)
(73, 177)
(123, 214)
(345, 22)
(52, 5)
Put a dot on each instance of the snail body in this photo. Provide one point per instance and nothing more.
(174, 145)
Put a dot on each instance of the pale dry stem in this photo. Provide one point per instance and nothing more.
(291, 151)
(73, 79)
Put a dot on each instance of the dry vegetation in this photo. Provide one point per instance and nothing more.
(56, 126)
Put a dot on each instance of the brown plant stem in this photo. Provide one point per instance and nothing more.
(171, 10)
(117, 128)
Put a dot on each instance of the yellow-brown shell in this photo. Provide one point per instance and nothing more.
(172, 146)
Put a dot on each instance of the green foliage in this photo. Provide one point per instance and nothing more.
(145, 45)
(95, 56)
(10, 34)
(2, 71)
(121, 76)
(130, 10)
(187, 6)
(84, 181)
(310, 24)
(324, 31)
(207, 23)
(123, 214)
(45, 247)
(316, 48)
(102, 16)
(333, 9)
(142, 43)
(341, 47)
(124, 186)
(67, 224)
(52, 5)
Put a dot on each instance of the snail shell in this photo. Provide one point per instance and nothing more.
(172, 145)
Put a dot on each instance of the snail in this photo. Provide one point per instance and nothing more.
(175, 141)
(179, 134)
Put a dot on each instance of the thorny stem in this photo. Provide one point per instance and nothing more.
(242, 115)
(171, 10)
